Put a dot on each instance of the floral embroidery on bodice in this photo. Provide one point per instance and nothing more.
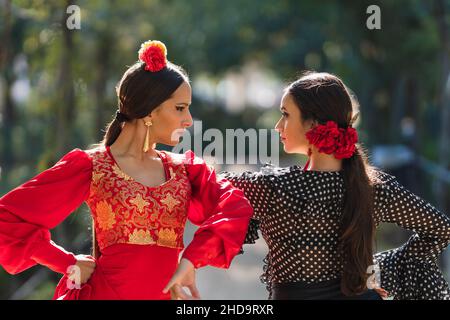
(126, 211)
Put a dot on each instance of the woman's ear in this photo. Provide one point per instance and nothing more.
(147, 118)
(155, 112)
(151, 115)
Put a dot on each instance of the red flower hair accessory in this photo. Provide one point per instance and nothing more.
(154, 55)
(330, 139)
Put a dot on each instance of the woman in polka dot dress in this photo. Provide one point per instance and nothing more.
(319, 221)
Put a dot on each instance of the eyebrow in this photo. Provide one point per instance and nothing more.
(283, 107)
(183, 104)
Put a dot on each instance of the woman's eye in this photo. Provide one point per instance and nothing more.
(180, 108)
(284, 114)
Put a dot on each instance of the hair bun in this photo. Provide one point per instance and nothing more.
(154, 54)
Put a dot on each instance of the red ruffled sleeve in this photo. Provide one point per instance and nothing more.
(222, 213)
(29, 211)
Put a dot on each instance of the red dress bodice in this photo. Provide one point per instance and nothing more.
(126, 211)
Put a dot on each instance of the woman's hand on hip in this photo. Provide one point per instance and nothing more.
(83, 269)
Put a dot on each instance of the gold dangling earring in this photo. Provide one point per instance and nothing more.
(147, 136)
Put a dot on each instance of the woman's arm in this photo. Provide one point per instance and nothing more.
(28, 212)
(257, 189)
(222, 213)
(396, 204)
(410, 271)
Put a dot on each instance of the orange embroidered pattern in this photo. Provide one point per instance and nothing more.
(126, 211)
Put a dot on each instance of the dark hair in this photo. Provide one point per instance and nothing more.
(323, 97)
(140, 91)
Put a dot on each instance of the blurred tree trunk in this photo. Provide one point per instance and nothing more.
(368, 112)
(412, 107)
(444, 103)
(398, 109)
(441, 189)
(65, 108)
(7, 104)
(6, 66)
(106, 42)
(103, 57)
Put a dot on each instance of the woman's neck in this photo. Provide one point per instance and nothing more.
(324, 162)
(131, 142)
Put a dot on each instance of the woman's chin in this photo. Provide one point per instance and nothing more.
(169, 142)
(286, 149)
(291, 150)
(172, 143)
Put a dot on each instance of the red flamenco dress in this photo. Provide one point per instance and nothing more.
(139, 229)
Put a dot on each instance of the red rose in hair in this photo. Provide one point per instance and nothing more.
(330, 139)
(324, 137)
(346, 147)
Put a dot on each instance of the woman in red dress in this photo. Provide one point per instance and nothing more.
(139, 198)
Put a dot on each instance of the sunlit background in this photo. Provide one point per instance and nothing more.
(57, 93)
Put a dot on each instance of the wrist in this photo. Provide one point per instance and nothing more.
(188, 263)
(54, 257)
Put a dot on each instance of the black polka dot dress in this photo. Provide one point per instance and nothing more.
(298, 214)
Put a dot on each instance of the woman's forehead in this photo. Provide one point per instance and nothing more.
(287, 101)
(184, 89)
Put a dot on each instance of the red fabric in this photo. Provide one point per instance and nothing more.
(331, 139)
(154, 58)
(29, 211)
(124, 270)
(126, 211)
(222, 213)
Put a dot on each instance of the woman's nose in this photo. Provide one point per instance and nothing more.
(188, 122)
(278, 126)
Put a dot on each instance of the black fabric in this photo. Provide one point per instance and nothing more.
(325, 290)
(298, 214)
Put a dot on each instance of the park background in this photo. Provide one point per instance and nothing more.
(57, 93)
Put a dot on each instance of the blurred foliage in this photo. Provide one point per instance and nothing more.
(396, 72)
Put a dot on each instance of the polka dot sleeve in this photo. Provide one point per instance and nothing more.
(410, 271)
(256, 188)
(258, 191)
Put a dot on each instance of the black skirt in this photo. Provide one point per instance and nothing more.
(325, 290)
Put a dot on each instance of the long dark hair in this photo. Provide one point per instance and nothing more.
(323, 97)
(140, 91)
